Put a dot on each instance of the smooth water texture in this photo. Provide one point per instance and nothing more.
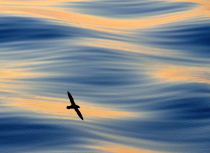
(138, 69)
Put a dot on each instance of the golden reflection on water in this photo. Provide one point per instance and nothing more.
(53, 106)
(204, 2)
(8, 79)
(182, 73)
(91, 22)
(119, 148)
(35, 2)
(57, 108)
(119, 45)
(114, 147)
(14, 74)
(7, 86)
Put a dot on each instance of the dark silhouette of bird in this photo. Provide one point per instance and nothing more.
(74, 106)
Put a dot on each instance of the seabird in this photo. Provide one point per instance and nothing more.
(74, 106)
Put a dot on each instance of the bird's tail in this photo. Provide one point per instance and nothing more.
(72, 107)
(68, 107)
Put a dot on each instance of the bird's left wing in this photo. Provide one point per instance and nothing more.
(78, 112)
(71, 98)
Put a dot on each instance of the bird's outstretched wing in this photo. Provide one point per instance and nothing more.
(71, 98)
(78, 112)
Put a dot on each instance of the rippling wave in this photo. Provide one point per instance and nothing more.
(128, 9)
(139, 70)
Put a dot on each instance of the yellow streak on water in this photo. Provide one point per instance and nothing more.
(7, 86)
(183, 73)
(15, 74)
(35, 2)
(52, 106)
(92, 22)
(106, 146)
(119, 148)
(204, 2)
(122, 46)
(57, 108)
(9, 78)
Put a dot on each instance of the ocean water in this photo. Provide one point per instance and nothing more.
(138, 69)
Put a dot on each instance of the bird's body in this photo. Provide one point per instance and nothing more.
(74, 106)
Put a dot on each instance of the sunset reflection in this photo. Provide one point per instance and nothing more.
(15, 74)
(119, 148)
(86, 21)
(57, 108)
(182, 73)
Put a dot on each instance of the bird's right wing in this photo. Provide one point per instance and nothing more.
(71, 98)
(78, 112)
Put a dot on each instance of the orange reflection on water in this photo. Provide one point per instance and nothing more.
(183, 73)
(35, 2)
(89, 21)
(120, 148)
(7, 86)
(14, 74)
(122, 46)
(57, 107)
(204, 2)
(19, 2)
(8, 76)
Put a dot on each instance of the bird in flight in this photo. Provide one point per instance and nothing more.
(74, 106)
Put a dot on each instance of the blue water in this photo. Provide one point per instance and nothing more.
(139, 70)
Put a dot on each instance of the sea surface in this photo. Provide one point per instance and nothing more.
(138, 69)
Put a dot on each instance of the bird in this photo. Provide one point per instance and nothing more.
(73, 105)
